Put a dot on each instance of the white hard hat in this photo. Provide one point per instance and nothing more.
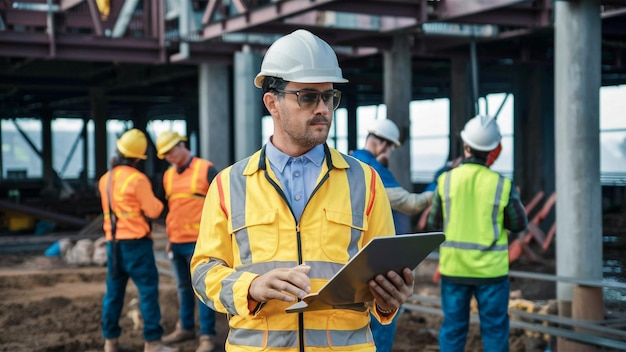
(300, 57)
(481, 133)
(386, 129)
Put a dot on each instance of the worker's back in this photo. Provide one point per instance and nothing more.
(473, 198)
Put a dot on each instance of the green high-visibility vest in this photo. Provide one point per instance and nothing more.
(473, 201)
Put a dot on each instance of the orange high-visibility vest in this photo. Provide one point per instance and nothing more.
(185, 194)
(133, 201)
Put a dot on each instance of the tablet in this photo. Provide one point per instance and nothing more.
(348, 288)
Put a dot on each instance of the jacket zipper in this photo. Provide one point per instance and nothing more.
(262, 165)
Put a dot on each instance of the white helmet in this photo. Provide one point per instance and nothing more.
(300, 57)
(481, 133)
(385, 129)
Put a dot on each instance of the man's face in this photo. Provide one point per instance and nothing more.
(385, 149)
(176, 156)
(299, 129)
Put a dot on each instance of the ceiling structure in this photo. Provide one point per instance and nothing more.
(55, 53)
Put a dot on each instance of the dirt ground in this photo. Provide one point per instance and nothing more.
(48, 306)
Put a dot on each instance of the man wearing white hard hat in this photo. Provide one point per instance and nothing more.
(280, 223)
(382, 139)
(475, 206)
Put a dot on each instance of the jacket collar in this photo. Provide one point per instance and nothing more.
(258, 161)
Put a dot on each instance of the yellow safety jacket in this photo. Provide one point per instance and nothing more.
(473, 201)
(248, 229)
(133, 201)
(185, 194)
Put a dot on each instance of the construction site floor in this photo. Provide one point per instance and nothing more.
(48, 306)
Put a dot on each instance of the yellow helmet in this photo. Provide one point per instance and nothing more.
(166, 141)
(133, 144)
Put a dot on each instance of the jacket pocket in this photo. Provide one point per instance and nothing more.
(256, 233)
(341, 235)
(348, 329)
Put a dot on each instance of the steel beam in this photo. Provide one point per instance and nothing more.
(124, 18)
(412, 9)
(95, 17)
(613, 13)
(240, 6)
(506, 17)
(43, 214)
(587, 337)
(449, 10)
(75, 47)
(209, 11)
(37, 7)
(68, 4)
(261, 15)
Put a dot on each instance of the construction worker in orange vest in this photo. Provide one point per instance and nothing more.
(127, 202)
(186, 183)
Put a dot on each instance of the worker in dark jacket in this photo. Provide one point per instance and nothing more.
(475, 206)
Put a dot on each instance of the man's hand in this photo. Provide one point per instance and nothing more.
(392, 290)
(283, 284)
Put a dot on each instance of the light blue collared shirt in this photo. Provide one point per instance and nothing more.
(297, 176)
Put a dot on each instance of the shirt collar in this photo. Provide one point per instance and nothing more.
(180, 170)
(279, 159)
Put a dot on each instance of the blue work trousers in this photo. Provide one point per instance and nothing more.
(181, 260)
(384, 335)
(493, 304)
(135, 260)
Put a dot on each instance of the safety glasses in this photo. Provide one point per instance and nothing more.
(309, 99)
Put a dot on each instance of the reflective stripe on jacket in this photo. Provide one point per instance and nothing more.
(185, 194)
(133, 200)
(473, 202)
(248, 229)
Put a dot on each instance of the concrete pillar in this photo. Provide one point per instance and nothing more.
(99, 116)
(460, 108)
(248, 108)
(215, 116)
(578, 211)
(397, 95)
